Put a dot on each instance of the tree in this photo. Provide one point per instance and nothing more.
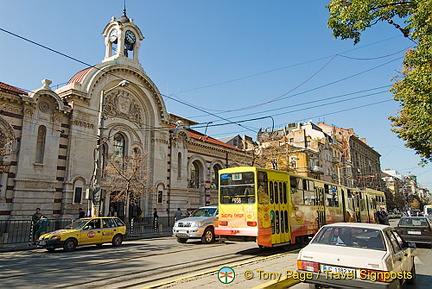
(413, 87)
(126, 179)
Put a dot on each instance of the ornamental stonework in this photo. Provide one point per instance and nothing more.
(122, 105)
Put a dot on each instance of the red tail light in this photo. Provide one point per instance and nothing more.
(251, 223)
(223, 223)
(308, 266)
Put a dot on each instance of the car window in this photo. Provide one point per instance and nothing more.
(108, 223)
(351, 237)
(77, 224)
(401, 242)
(204, 212)
(394, 242)
(119, 222)
(415, 222)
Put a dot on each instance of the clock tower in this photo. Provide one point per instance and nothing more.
(122, 39)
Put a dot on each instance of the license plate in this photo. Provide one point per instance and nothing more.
(42, 243)
(340, 270)
(414, 232)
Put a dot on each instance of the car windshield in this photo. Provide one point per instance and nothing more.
(204, 212)
(77, 224)
(350, 237)
(413, 222)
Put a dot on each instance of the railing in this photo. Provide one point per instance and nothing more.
(21, 231)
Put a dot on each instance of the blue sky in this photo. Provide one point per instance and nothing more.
(227, 60)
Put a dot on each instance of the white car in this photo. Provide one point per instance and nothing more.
(357, 255)
(199, 225)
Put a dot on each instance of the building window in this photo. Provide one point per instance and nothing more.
(119, 147)
(40, 144)
(194, 176)
(77, 195)
(78, 192)
(293, 162)
(215, 176)
(179, 165)
(160, 197)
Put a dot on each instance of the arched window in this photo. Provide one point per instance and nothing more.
(215, 175)
(40, 144)
(119, 147)
(194, 176)
(179, 165)
(78, 192)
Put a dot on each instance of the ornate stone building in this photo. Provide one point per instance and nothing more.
(51, 139)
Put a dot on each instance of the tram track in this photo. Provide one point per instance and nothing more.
(130, 266)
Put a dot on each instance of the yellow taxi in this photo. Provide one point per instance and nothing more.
(85, 231)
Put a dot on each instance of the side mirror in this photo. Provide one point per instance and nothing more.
(411, 245)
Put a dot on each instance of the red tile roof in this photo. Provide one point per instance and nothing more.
(79, 76)
(205, 138)
(10, 88)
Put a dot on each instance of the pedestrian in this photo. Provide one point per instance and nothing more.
(177, 214)
(382, 217)
(155, 220)
(81, 213)
(112, 212)
(42, 227)
(35, 218)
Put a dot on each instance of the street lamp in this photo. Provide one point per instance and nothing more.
(97, 173)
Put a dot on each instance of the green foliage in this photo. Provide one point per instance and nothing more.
(413, 88)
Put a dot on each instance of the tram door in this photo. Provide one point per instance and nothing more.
(357, 207)
(319, 199)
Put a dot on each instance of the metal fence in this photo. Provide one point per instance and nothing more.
(21, 231)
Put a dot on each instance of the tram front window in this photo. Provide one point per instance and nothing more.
(237, 188)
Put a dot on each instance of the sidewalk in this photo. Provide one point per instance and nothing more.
(9, 247)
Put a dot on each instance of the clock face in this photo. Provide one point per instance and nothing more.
(130, 37)
(113, 36)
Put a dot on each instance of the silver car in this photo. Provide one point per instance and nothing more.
(199, 225)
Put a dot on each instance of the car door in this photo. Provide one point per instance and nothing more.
(408, 257)
(109, 229)
(91, 232)
(399, 254)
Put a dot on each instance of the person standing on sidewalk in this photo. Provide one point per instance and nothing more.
(177, 214)
(155, 220)
(35, 218)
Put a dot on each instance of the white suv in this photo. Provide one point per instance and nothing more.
(199, 225)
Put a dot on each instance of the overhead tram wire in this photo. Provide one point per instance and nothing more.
(289, 66)
(182, 102)
(302, 109)
(285, 96)
(311, 117)
(318, 100)
(305, 81)
(212, 114)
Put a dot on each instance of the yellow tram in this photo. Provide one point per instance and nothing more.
(277, 208)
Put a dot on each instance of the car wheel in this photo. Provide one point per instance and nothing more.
(208, 236)
(69, 245)
(413, 279)
(182, 240)
(117, 240)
